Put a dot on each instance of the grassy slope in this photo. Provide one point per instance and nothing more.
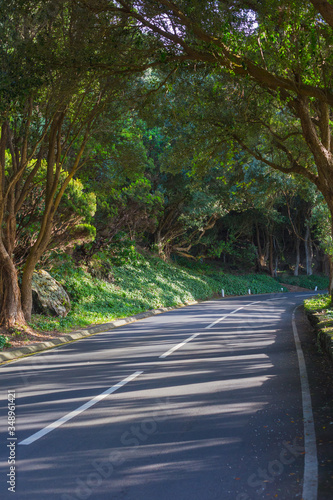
(142, 284)
(309, 282)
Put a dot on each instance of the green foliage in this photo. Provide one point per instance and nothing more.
(318, 303)
(72, 223)
(127, 200)
(322, 222)
(139, 285)
(309, 282)
(241, 253)
(4, 342)
(257, 283)
(124, 252)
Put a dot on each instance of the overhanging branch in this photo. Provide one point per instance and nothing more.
(296, 168)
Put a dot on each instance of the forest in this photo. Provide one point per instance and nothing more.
(195, 133)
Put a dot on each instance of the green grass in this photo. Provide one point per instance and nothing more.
(309, 282)
(320, 311)
(319, 303)
(140, 285)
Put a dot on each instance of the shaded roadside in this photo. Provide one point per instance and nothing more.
(320, 315)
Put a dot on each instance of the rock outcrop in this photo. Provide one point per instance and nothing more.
(49, 297)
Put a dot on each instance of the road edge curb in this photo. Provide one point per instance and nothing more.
(24, 351)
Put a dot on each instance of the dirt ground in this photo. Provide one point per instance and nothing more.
(292, 288)
(20, 337)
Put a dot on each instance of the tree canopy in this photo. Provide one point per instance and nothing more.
(159, 117)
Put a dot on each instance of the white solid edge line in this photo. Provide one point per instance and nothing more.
(310, 482)
(178, 346)
(79, 410)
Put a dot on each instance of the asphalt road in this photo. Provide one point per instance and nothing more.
(204, 402)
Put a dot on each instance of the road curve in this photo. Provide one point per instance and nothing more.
(206, 402)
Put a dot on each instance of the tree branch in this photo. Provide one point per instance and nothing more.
(296, 168)
(325, 9)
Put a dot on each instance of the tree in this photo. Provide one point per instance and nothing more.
(76, 62)
(72, 223)
(190, 211)
(200, 125)
(121, 176)
(321, 223)
(279, 50)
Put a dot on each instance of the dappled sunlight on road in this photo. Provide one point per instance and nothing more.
(193, 413)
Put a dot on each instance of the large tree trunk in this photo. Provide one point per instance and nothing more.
(329, 202)
(330, 266)
(35, 254)
(308, 251)
(260, 253)
(11, 313)
(330, 285)
(27, 291)
(298, 256)
(159, 244)
(271, 255)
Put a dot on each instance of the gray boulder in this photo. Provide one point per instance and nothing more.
(48, 296)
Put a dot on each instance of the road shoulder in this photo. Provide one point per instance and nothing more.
(30, 349)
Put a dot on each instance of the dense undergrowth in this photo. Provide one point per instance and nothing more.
(138, 284)
(310, 282)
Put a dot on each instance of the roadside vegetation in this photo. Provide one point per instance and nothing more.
(309, 282)
(102, 291)
(319, 310)
(322, 303)
(102, 144)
